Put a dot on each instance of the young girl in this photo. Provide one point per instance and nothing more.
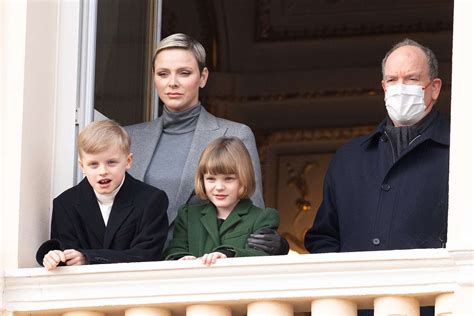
(220, 226)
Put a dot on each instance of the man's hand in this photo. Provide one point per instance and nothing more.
(74, 257)
(187, 258)
(211, 258)
(53, 258)
(269, 241)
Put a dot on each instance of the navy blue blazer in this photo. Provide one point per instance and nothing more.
(371, 202)
(136, 229)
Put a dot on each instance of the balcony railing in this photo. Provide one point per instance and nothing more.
(391, 282)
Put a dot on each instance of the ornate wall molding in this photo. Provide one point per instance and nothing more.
(314, 135)
(267, 143)
(288, 96)
(278, 20)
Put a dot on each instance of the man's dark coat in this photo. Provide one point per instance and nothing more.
(372, 202)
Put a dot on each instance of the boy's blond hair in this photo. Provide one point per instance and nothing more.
(226, 155)
(101, 135)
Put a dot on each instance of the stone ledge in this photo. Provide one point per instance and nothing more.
(299, 279)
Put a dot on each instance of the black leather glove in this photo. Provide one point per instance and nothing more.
(269, 241)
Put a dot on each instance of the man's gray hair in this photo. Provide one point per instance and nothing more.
(430, 56)
(180, 40)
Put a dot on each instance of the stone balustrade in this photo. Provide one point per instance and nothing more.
(390, 282)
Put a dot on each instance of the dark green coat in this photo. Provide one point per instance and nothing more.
(196, 232)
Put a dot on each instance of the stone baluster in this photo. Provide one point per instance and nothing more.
(84, 313)
(444, 304)
(396, 306)
(333, 306)
(147, 311)
(269, 308)
(208, 310)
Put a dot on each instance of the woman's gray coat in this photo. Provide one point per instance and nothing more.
(145, 138)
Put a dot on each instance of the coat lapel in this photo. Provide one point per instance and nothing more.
(209, 221)
(121, 208)
(235, 216)
(150, 138)
(89, 211)
(207, 129)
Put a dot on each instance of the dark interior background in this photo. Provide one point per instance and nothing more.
(303, 74)
(275, 64)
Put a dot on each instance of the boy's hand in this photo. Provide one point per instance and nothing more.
(53, 258)
(187, 258)
(211, 258)
(74, 257)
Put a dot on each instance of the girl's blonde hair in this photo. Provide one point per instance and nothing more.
(226, 155)
(101, 135)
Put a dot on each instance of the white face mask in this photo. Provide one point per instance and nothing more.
(405, 103)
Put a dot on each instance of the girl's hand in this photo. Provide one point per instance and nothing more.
(211, 258)
(187, 258)
(74, 257)
(53, 258)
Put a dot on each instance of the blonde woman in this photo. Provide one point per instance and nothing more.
(167, 150)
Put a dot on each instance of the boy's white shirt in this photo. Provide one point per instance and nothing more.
(106, 201)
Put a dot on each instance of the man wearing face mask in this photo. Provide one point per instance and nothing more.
(389, 189)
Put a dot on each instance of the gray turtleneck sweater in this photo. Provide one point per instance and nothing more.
(169, 158)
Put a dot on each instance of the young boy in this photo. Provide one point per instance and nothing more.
(109, 216)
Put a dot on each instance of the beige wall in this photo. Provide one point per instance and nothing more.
(37, 139)
(27, 112)
(461, 186)
(2, 88)
(461, 172)
(12, 75)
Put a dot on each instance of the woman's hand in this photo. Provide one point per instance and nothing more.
(187, 258)
(74, 257)
(53, 258)
(211, 258)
